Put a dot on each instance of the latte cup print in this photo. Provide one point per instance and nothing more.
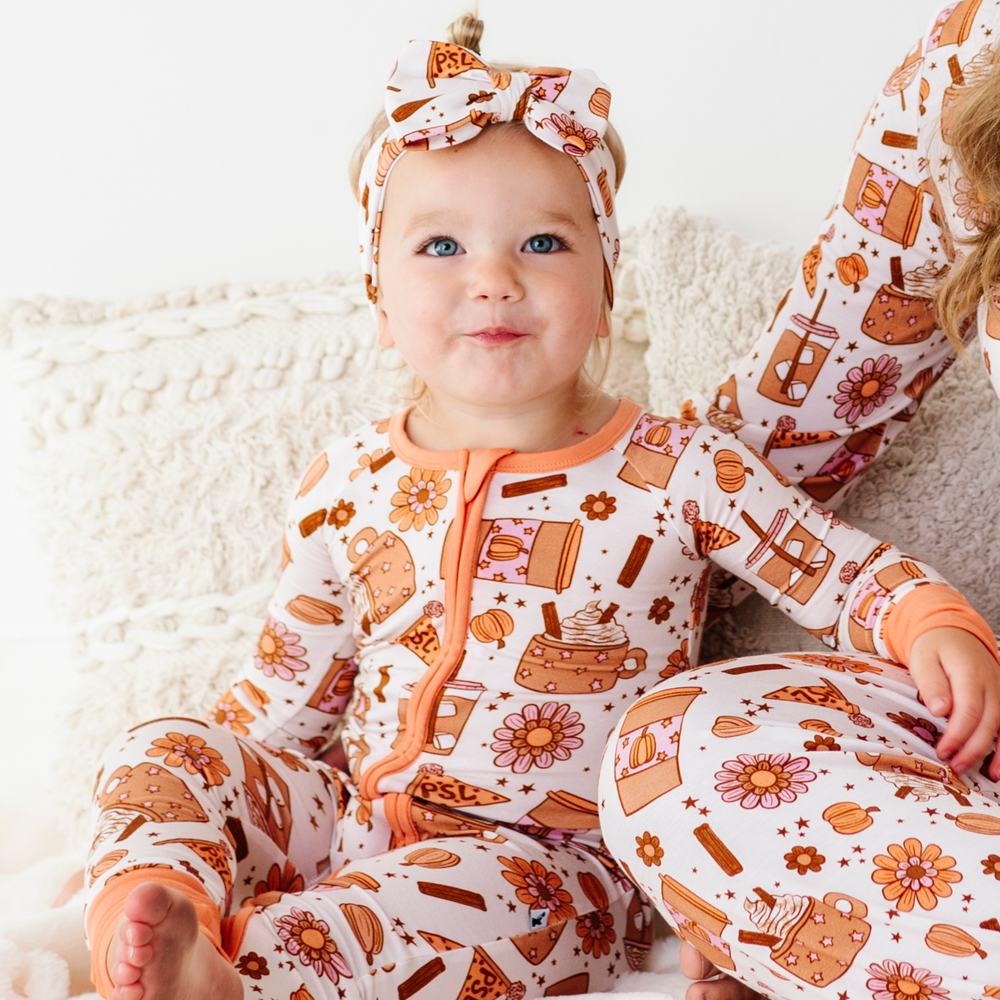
(653, 450)
(450, 714)
(561, 814)
(797, 360)
(383, 571)
(814, 940)
(698, 922)
(558, 667)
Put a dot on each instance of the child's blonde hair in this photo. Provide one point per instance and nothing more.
(467, 31)
(975, 139)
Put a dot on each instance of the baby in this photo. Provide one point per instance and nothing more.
(472, 594)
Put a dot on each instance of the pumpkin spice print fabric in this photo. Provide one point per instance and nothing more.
(817, 846)
(472, 637)
(853, 347)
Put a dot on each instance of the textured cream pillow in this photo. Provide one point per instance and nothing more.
(164, 437)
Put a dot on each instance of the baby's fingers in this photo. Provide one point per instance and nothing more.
(971, 730)
(931, 679)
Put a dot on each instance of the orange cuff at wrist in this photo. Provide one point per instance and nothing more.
(933, 605)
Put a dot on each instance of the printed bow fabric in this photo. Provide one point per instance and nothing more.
(440, 94)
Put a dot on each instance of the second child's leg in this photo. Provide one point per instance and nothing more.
(790, 818)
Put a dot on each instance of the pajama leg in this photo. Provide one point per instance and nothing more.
(237, 816)
(815, 845)
(452, 917)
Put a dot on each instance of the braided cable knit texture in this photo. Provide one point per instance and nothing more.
(162, 437)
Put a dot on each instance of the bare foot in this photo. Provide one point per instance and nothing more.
(158, 953)
(695, 966)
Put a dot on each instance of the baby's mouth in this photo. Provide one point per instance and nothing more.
(496, 335)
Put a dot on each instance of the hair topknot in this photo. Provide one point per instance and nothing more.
(466, 31)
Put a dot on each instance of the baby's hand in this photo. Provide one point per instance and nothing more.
(695, 966)
(958, 678)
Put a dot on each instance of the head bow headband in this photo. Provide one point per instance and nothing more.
(440, 94)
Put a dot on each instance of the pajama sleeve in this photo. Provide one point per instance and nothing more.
(293, 690)
(854, 347)
(837, 582)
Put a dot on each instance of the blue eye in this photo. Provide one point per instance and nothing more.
(443, 246)
(543, 243)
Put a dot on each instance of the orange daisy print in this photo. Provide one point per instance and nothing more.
(191, 753)
(421, 495)
(914, 873)
(539, 888)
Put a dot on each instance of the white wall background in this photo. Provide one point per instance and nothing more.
(150, 146)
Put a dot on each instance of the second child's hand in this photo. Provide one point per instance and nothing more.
(958, 677)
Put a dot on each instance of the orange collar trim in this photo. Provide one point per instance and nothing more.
(518, 462)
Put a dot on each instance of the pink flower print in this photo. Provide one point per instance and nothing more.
(901, 981)
(537, 736)
(970, 205)
(763, 779)
(308, 938)
(579, 140)
(278, 652)
(867, 387)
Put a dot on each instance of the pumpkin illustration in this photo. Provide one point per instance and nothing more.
(286, 552)
(728, 726)
(367, 928)
(872, 195)
(977, 823)
(730, 472)
(600, 102)
(819, 726)
(301, 994)
(849, 817)
(925, 91)
(657, 435)
(503, 548)
(852, 270)
(953, 941)
(492, 626)
(643, 750)
(432, 857)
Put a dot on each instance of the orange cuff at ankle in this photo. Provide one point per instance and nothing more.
(932, 605)
(106, 909)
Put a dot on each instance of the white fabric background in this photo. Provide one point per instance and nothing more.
(149, 147)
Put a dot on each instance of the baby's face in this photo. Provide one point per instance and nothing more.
(491, 271)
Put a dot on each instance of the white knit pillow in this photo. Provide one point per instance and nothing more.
(164, 437)
(707, 295)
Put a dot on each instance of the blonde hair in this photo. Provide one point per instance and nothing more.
(467, 31)
(975, 139)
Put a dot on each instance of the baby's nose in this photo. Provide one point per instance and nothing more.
(495, 278)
